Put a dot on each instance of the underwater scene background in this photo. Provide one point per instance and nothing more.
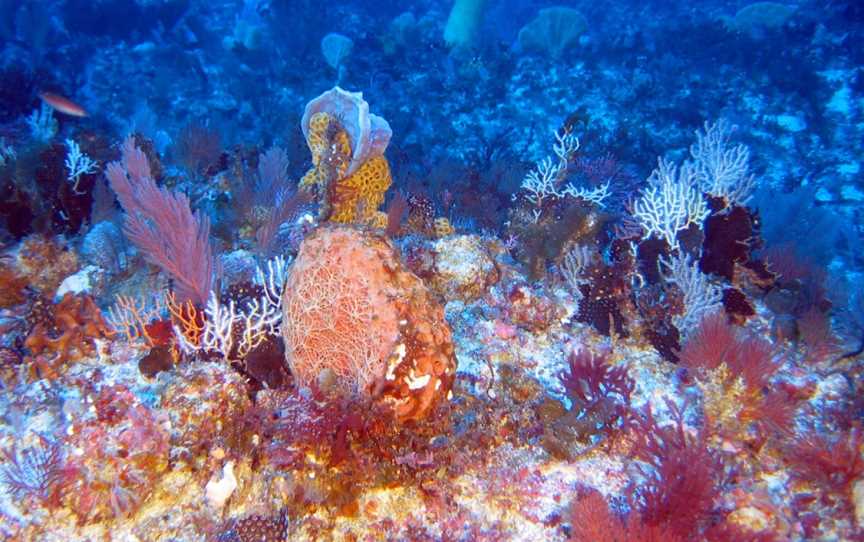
(482, 270)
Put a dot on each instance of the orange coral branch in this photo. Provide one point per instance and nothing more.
(188, 319)
(131, 317)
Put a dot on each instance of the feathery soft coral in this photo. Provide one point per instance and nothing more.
(680, 490)
(715, 342)
(832, 464)
(161, 224)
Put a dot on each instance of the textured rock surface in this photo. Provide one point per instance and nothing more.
(464, 269)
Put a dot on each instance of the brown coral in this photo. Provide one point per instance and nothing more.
(11, 287)
(64, 333)
(46, 262)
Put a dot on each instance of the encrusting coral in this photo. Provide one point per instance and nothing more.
(46, 262)
(348, 170)
(64, 333)
(463, 268)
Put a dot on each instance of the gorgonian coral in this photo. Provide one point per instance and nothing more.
(162, 225)
(733, 369)
(682, 482)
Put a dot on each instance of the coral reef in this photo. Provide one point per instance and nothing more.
(594, 278)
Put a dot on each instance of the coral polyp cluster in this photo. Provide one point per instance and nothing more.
(348, 170)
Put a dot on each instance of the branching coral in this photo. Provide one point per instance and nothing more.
(132, 318)
(670, 204)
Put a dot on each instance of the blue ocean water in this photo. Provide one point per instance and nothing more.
(424, 270)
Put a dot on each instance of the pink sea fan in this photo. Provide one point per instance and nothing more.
(369, 134)
(161, 224)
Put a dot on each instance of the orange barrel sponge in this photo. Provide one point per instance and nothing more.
(354, 315)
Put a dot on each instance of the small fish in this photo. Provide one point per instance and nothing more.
(63, 105)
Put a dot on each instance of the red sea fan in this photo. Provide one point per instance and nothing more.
(754, 360)
(709, 344)
(833, 464)
(679, 493)
(592, 520)
(716, 342)
(776, 413)
(814, 328)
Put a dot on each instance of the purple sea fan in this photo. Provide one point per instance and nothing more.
(36, 472)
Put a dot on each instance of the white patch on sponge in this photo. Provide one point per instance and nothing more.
(218, 492)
